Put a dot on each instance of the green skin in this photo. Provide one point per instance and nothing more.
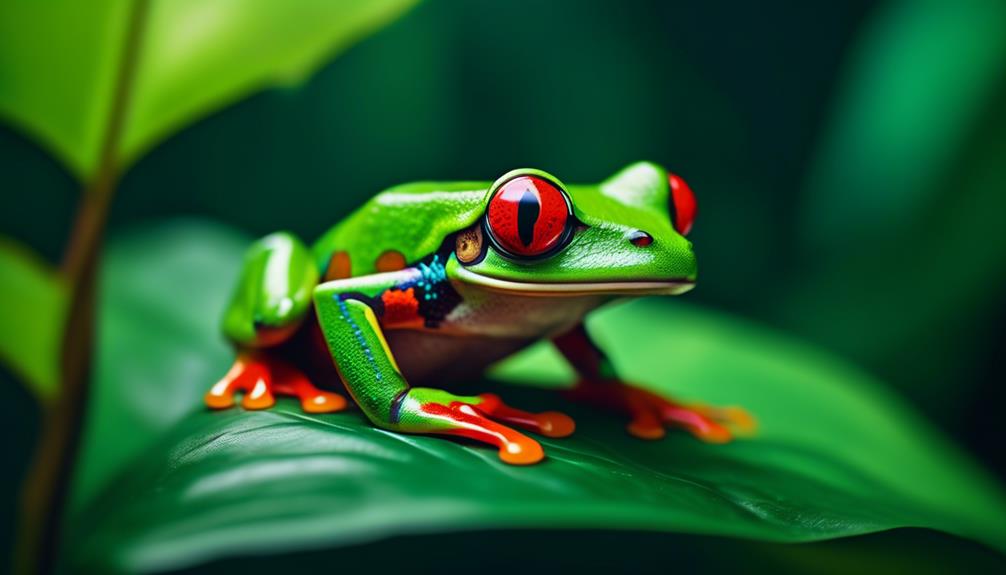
(281, 280)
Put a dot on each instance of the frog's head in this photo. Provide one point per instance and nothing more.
(622, 237)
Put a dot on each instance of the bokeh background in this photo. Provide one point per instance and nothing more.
(849, 160)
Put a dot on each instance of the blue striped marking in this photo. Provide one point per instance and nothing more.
(344, 311)
(430, 275)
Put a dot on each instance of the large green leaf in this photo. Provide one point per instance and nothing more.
(836, 455)
(160, 298)
(60, 61)
(31, 317)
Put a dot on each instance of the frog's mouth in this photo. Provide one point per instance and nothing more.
(639, 288)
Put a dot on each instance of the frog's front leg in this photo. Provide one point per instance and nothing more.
(272, 298)
(600, 385)
(348, 314)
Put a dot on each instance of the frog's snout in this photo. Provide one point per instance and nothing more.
(679, 251)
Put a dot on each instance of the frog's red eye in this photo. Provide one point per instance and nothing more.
(683, 205)
(529, 217)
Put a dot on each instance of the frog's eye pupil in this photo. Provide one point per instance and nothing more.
(528, 217)
(683, 205)
(528, 211)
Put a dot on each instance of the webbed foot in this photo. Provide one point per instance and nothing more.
(425, 410)
(261, 377)
(649, 413)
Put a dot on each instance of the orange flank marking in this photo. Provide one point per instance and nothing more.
(338, 267)
(390, 261)
(401, 309)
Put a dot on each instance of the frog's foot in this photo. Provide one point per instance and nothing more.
(547, 423)
(424, 410)
(650, 412)
(260, 377)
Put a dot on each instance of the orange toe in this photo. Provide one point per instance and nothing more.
(695, 421)
(645, 422)
(713, 434)
(646, 430)
(218, 400)
(259, 397)
(555, 424)
(743, 422)
(523, 452)
(548, 423)
(736, 418)
(242, 373)
(323, 402)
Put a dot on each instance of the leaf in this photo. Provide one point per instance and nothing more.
(161, 298)
(31, 319)
(61, 96)
(836, 455)
(195, 56)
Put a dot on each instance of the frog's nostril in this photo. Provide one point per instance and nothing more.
(640, 239)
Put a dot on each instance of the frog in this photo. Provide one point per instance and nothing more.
(432, 282)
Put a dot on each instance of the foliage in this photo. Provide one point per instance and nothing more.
(904, 192)
(31, 323)
(138, 72)
(193, 57)
(887, 251)
(836, 455)
(119, 77)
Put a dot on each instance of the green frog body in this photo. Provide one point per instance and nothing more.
(433, 281)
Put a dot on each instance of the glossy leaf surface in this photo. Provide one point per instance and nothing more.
(836, 455)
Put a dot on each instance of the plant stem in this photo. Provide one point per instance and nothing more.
(47, 484)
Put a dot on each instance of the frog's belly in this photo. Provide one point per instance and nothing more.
(515, 316)
(428, 358)
(482, 330)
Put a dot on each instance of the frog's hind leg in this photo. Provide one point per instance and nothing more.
(346, 313)
(261, 377)
(648, 412)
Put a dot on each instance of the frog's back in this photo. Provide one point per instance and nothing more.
(397, 227)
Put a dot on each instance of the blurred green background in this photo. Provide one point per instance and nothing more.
(849, 160)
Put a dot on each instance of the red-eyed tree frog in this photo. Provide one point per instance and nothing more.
(429, 281)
